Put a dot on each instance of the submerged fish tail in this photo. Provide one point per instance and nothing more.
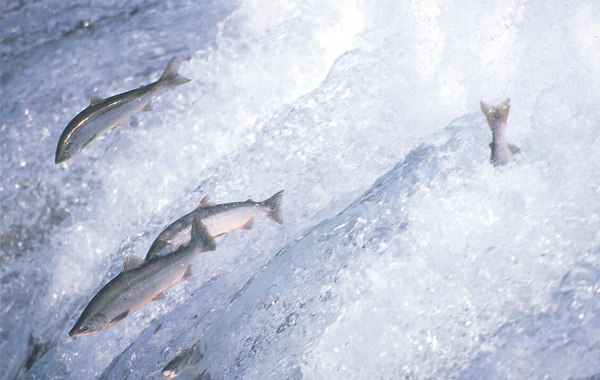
(496, 118)
(274, 206)
(170, 77)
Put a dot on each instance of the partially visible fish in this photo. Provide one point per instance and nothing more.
(103, 114)
(496, 117)
(218, 219)
(183, 365)
(140, 283)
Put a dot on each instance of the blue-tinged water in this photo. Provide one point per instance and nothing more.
(404, 253)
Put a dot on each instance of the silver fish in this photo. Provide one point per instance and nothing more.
(218, 219)
(103, 114)
(496, 117)
(140, 283)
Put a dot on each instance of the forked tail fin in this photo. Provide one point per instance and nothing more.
(496, 116)
(170, 76)
(274, 206)
(201, 237)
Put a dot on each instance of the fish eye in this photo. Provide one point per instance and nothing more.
(85, 328)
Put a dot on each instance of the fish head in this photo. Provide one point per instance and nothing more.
(69, 147)
(73, 139)
(64, 152)
(89, 325)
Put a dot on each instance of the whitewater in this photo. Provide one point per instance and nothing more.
(404, 253)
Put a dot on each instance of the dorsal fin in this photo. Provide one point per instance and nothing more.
(171, 70)
(205, 202)
(95, 99)
(132, 262)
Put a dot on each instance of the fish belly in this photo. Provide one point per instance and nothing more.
(222, 223)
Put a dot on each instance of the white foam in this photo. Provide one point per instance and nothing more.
(443, 268)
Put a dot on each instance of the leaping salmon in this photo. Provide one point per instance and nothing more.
(496, 118)
(140, 283)
(103, 114)
(218, 219)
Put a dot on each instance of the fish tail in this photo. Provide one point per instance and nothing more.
(201, 237)
(274, 206)
(170, 76)
(496, 116)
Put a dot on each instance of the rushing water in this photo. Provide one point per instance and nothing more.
(403, 253)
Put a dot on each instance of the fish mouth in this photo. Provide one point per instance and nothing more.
(61, 156)
(64, 151)
(89, 326)
(77, 332)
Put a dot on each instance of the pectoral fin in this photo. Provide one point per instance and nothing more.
(120, 317)
(513, 148)
(124, 125)
(88, 142)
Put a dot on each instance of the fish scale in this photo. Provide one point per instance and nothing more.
(218, 220)
(140, 282)
(103, 114)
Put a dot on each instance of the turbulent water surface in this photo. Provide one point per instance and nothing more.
(404, 253)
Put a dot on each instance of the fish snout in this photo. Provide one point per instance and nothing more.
(60, 157)
(78, 331)
(88, 326)
(64, 151)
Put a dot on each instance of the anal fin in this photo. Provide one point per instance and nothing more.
(148, 107)
(187, 274)
(247, 225)
(159, 297)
